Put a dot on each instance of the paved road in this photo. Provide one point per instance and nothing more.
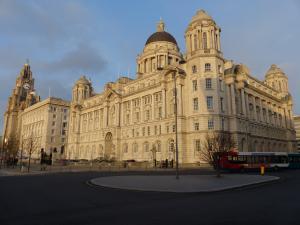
(66, 199)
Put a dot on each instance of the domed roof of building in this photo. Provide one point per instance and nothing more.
(161, 35)
(201, 15)
(82, 80)
(274, 69)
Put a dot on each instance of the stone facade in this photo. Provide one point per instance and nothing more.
(45, 124)
(297, 128)
(134, 118)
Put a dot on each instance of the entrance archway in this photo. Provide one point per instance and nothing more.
(108, 145)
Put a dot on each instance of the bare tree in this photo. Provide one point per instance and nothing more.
(31, 146)
(214, 145)
(11, 151)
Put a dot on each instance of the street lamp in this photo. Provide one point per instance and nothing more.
(175, 70)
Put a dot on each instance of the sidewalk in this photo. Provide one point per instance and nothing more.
(36, 169)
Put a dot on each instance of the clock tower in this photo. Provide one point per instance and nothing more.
(23, 95)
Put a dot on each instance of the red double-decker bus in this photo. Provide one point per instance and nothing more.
(239, 161)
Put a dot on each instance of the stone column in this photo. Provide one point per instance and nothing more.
(247, 105)
(179, 99)
(153, 107)
(261, 110)
(267, 112)
(219, 43)
(233, 99)
(213, 39)
(254, 107)
(105, 116)
(118, 114)
(200, 39)
(131, 112)
(164, 110)
(228, 100)
(285, 119)
(243, 102)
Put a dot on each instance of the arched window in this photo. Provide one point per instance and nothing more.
(280, 86)
(195, 42)
(204, 40)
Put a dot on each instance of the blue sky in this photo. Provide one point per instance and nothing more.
(64, 39)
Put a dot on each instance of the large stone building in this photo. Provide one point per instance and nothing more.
(22, 97)
(31, 124)
(45, 125)
(134, 118)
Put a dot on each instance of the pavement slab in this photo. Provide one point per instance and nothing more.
(185, 184)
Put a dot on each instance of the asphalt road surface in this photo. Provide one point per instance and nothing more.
(65, 198)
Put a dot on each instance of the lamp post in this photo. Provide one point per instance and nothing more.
(176, 123)
(175, 70)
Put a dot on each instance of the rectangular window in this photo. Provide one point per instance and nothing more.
(209, 102)
(207, 67)
(148, 131)
(52, 139)
(53, 123)
(196, 126)
(155, 130)
(54, 116)
(208, 83)
(143, 131)
(65, 117)
(197, 145)
(195, 85)
(174, 128)
(147, 114)
(137, 116)
(52, 131)
(195, 104)
(210, 124)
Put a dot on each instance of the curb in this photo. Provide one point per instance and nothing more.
(207, 191)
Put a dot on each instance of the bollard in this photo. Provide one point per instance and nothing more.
(262, 170)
